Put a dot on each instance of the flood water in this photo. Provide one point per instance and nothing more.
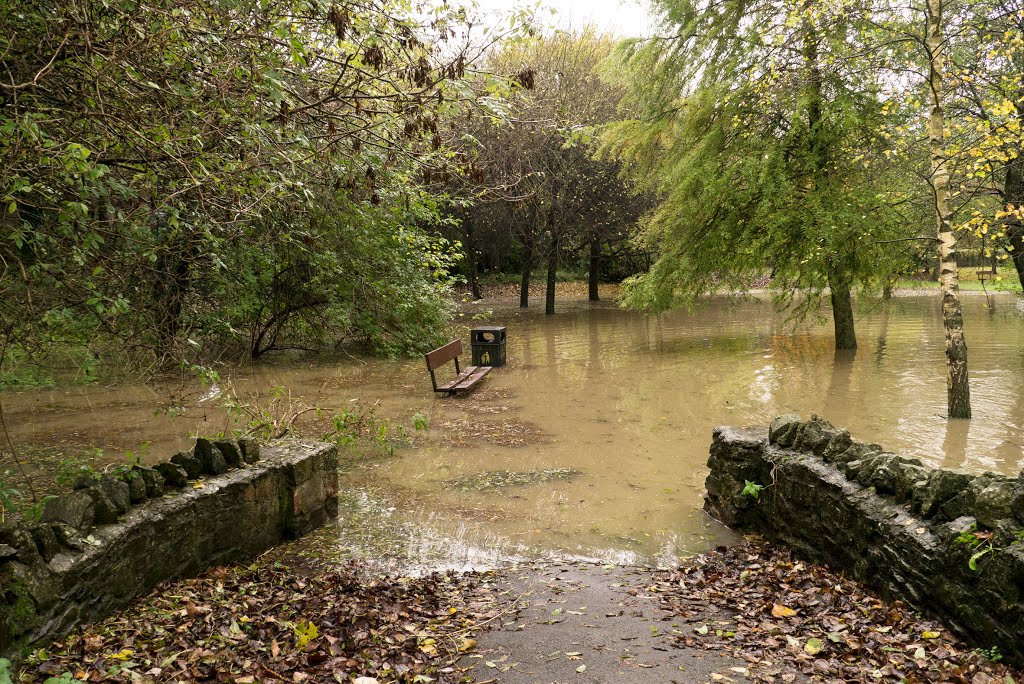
(592, 441)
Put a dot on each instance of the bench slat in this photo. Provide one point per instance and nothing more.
(443, 355)
(474, 374)
(466, 381)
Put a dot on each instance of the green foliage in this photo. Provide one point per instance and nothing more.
(993, 654)
(360, 423)
(969, 538)
(35, 511)
(978, 542)
(972, 563)
(5, 671)
(71, 469)
(8, 495)
(192, 187)
(420, 422)
(752, 489)
(64, 678)
(537, 191)
(757, 126)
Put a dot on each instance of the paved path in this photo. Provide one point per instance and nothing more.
(578, 624)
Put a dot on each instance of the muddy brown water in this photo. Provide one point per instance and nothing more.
(592, 441)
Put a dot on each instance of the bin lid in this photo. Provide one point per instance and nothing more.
(489, 328)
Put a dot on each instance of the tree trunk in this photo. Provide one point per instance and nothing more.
(593, 271)
(170, 290)
(470, 238)
(549, 294)
(524, 282)
(842, 309)
(838, 276)
(553, 236)
(958, 393)
(1013, 193)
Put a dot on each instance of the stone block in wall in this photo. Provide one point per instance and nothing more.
(940, 487)
(863, 525)
(136, 486)
(1017, 501)
(782, 430)
(67, 536)
(211, 459)
(111, 499)
(45, 540)
(993, 503)
(191, 464)
(173, 474)
(153, 480)
(75, 509)
(250, 447)
(231, 451)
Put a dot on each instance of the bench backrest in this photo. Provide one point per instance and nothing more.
(443, 355)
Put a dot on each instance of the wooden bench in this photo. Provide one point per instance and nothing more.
(464, 380)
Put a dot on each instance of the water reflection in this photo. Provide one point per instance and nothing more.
(628, 399)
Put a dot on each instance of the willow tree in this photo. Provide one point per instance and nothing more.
(758, 128)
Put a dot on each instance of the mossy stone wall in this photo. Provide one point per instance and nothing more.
(908, 531)
(54, 576)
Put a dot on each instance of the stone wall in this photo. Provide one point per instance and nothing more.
(116, 538)
(948, 543)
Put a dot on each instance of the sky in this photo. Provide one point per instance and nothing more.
(623, 18)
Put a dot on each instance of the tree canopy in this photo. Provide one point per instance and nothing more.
(236, 170)
(758, 127)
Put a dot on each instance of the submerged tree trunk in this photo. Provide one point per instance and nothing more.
(553, 235)
(842, 309)
(838, 277)
(527, 268)
(594, 270)
(549, 294)
(958, 393)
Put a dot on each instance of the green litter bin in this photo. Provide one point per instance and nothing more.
(488, 345)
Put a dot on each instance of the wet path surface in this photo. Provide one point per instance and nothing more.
(588, 623)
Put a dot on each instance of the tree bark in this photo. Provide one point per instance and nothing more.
(838, 274)
(553, 235)
(594, 271)
(524, 281)
(958, 393)
(842, 309)
(170, 290)
(549, 294)
(470, 238)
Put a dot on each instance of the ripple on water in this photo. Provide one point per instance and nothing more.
(626, 400)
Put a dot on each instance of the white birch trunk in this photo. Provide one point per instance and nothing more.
(957, 386)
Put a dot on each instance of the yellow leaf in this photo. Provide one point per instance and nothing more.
(306, 632)
(930, 635)
(813, 646)
(781, 611)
